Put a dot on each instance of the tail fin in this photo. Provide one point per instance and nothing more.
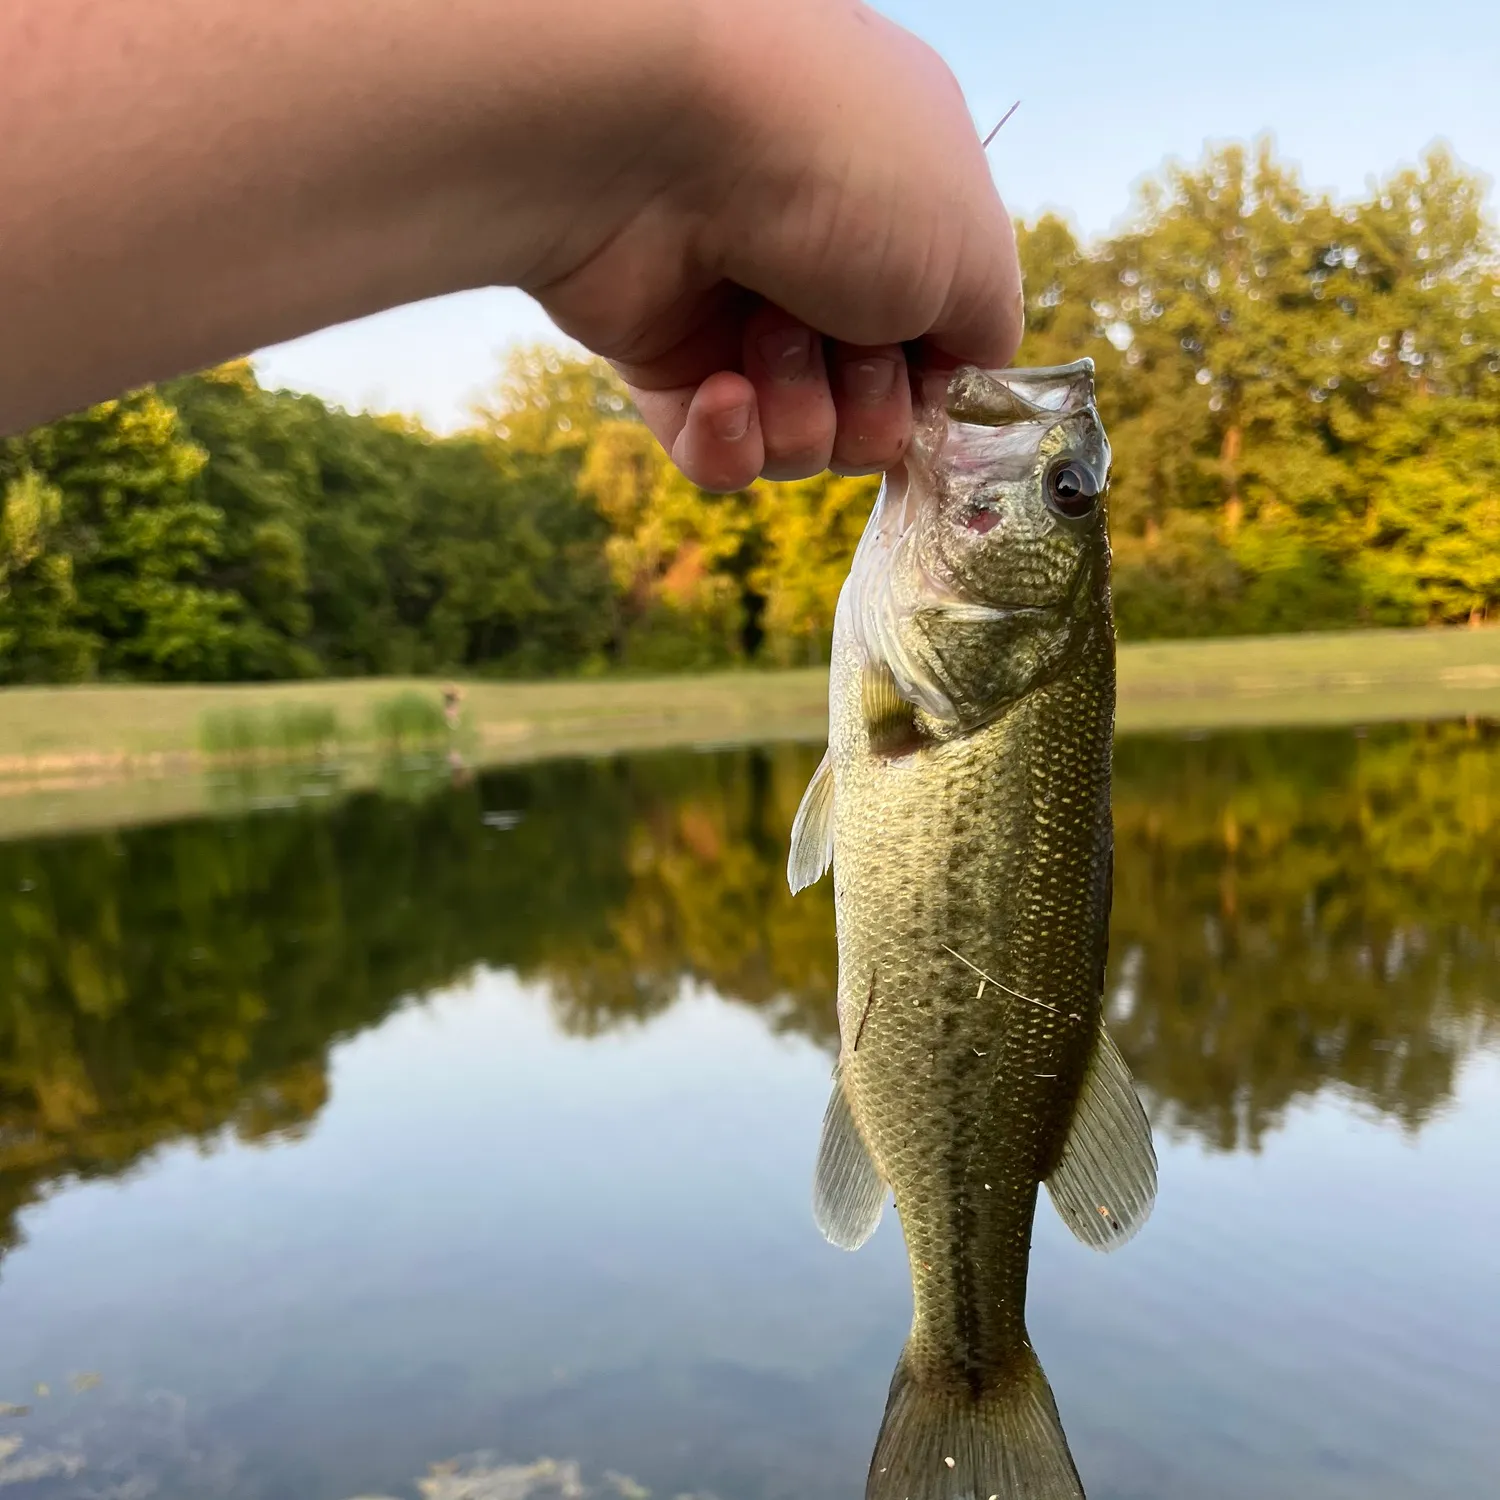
(1006, 1444)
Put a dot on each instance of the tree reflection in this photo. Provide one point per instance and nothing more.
(1298, 910)
(1292, 912)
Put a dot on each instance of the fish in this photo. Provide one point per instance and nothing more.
(963, 806)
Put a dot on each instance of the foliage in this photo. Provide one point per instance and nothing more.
(547, 402)
(681, 560)
(1303, 398)
(123, 586)
(811, 529)
(38, 637)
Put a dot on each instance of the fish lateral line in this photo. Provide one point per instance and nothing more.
(990, 979)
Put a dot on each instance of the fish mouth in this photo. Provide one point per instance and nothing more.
(1000, 398)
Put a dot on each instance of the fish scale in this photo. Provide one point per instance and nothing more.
(964, 808)
(1018, 895)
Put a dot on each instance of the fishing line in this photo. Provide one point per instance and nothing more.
(996, 131)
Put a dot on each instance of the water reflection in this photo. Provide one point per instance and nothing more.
(1292, 912)
(1302, 921)
(1296, 911)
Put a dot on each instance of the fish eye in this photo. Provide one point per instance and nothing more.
(1071, 490)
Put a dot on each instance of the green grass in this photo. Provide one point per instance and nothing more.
(277, 731)
(55, 730)
(408, 720)
(100, 751)
(1347, 677)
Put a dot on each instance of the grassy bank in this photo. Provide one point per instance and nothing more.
(76, 756)
(63, 731)
(1350, 677)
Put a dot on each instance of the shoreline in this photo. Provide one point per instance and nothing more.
(52, 780)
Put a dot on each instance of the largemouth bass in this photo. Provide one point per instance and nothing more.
(964, 806)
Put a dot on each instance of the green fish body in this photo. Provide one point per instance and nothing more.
(964, 805)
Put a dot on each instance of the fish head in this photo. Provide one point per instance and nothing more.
(987, 561)
(1016, 474)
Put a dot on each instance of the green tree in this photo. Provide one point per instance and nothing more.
(140, 540)
(39, 641)
(511, 560)
(684, 562)
(1265, 357)
(811, 529)
(261, 477)
(547, 401)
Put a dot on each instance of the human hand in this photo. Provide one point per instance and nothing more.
(828, 203)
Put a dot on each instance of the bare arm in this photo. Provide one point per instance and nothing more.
(689, 186)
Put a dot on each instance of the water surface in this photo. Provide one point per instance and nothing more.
(463, 1129)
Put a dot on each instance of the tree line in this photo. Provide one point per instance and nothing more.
(1303, 398)
(1293, 912)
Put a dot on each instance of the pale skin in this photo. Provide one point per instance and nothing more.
(752, 210)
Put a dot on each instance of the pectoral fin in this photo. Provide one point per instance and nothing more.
(1105, 1184)
(890, 721)
(812, 830)
(881, 593)
(848, 1193)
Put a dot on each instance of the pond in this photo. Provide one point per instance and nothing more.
(390, 1145)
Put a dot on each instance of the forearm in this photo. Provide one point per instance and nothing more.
(706, 192)
(184, 180)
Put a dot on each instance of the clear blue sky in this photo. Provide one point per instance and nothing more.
(1109, 91)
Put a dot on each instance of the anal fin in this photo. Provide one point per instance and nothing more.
(1105, 1185)
(848, 1192)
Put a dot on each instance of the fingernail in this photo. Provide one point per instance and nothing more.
(733, 424)
(870, 380)
(935, 388)
(786, 353)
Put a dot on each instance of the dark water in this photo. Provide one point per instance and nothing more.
(337, 1143)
